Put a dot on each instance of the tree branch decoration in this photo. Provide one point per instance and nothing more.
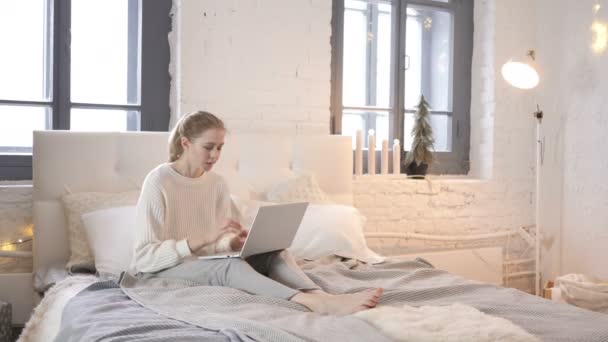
(421, 152)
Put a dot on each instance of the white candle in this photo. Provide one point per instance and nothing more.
(384, 158)
(396, 157)
(371, 153)
(359, 153)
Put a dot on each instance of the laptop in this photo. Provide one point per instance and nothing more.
(273, 229)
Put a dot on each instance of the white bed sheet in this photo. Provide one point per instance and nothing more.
(45, 321)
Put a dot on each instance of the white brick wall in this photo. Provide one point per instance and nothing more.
(483, 102)
(263, 65)
(441, 206)
(574, 191)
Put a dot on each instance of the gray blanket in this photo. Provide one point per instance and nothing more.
(174, 310)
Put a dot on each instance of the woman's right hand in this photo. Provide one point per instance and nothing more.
(228, 226)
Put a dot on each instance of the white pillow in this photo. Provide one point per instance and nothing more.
(301, 188)
(75, 206)
(333, 229)
(326, 229)
(110, 234)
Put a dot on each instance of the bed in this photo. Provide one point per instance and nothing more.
(417, 295)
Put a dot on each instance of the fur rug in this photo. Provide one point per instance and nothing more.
(452, 323)
(43, 325)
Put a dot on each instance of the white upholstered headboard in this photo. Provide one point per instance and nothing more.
(114, 162)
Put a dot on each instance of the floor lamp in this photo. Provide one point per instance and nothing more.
(523, 76)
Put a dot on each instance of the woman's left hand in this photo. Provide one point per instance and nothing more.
(237, 242)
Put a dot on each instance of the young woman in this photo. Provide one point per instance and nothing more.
(185, 211)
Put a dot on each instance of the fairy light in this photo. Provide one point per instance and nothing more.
(600, 36)
(28, 231)
(428, 23)
(8, 247)
(11, 246)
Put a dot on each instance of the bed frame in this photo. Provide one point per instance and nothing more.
(65, 161)
(112, 162)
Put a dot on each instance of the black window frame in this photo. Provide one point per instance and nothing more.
(457, 160)
(154, 74)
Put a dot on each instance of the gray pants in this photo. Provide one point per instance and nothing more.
(273, 274)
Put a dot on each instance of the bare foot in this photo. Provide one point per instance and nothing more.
(342, 304)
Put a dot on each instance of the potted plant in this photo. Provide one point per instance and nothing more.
(420, 156)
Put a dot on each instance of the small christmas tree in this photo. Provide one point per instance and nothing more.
(420, 155)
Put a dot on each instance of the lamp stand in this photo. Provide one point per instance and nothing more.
(539, 162)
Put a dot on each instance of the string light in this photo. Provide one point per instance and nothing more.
(428, 23)
(17, 242)
(600, 37)
(599, 29)
(27, 232)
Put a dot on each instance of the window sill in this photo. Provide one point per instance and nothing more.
(429, 178)
(24, 184)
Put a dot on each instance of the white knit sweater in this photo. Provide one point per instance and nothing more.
(173, 208)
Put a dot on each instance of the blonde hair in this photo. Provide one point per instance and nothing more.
(191, 126)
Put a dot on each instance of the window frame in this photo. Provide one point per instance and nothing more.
(457, 160)
(154, 80)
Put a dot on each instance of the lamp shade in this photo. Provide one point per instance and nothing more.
(520, 75)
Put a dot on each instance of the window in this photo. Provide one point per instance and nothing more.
(80, 65)
(386, 54)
